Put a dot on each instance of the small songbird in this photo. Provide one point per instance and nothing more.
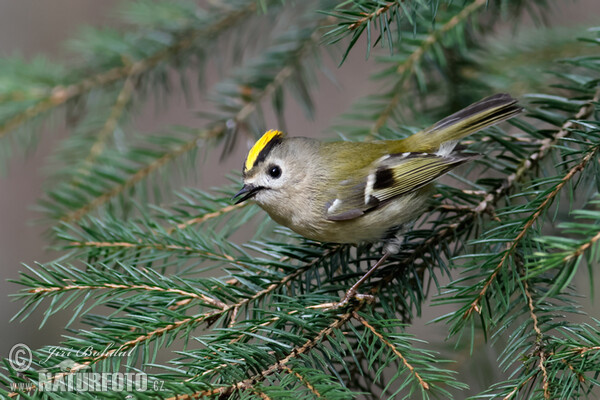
(353, 192)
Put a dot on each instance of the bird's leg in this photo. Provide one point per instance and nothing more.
(353, 291)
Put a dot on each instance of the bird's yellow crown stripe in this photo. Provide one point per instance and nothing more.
(259, 146)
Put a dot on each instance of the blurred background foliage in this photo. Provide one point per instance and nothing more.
(213, 300)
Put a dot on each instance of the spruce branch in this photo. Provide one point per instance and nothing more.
(117, 110)
(222, 127)
(372, 15)
(582, 249)
(304, 381)
(408, 66)
(203, 218)
(492, 197)
(208, 300)
(61, 94)
(227, 391)
(539, 341)
(513, 245)
(155, 246)
(411, 369)
(139, 175)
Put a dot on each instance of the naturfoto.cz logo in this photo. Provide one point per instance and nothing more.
(76, 377)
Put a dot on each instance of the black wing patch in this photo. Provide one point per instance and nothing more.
(391, 176)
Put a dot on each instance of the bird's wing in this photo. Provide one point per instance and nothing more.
(391, 176)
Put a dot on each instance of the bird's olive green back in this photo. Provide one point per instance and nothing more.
(363, 176)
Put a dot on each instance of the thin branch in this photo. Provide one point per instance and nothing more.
(369, 16)
(155, 246)
(54, 289)
(408, 65)
(60, 94)
(109, 126)
(205, 217)
(581, 249)
(77, 214)
(236, 307)
(304, 381)
(213, 133)
(260, 394)
(539, 342)
(475, 305)
(582, 350)
(517, 388)
(226, 391)
(397, 352)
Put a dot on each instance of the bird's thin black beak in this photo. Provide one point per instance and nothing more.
(248, 191)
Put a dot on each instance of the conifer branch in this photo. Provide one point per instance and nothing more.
(156, 246)
(475, 305)
(209, 316)
(408, 366)
(53, 289)
(436, 35)
(59, 95)
(269, 289)
(304, 381)
(214, 133)
(582, 249)
(539, 341)
(226, 391)
(205, 217)
(408, 66)
(582, 350)
(117, 110)
(370, 16)
(96, 202)
(260, 394)
(517, 388)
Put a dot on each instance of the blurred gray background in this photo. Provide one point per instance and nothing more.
(30, 27)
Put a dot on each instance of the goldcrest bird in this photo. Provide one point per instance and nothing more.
(350, 192)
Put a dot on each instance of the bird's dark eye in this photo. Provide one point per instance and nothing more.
(274, 171)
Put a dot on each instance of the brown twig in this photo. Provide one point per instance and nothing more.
(581, 249)
(225, 391)
(397, 352)
(538, 342)
(209, 300)
(60, 94)
(475, 305)
(304, 381)
(369, 16)
(205, 217)
(517, 388)
(408, 65)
